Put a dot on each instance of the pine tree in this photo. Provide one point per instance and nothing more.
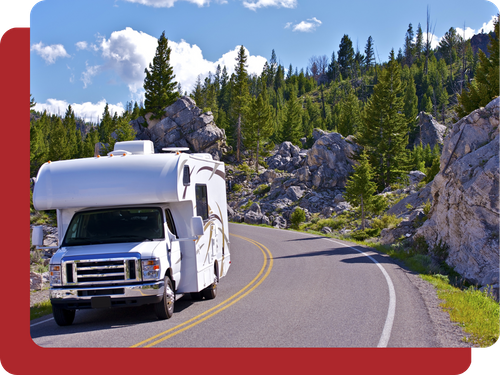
(411, 104)
(159, 85)
(369, 54)
(485, 87)
(385, 131)
(292, 123)
(360, 188)
(58, 147)
(106, 128)
(91, 139)
(349, 118)
(258, 126)
(345, 57)
(240, 97)
(409, 51)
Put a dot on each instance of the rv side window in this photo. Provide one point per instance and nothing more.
(201, 201)
(186, 178)
(170, 223)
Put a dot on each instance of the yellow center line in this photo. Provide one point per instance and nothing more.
(220, 307)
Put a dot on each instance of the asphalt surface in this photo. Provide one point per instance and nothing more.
(284, 289)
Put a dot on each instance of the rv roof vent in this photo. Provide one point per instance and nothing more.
(136, 147)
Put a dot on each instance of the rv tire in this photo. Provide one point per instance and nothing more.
(63, 317)
(165, 308)
(210, 292)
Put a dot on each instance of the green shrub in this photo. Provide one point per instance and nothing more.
(361, 235)
(386, 221)
(262, 189)
(298, 216)
(237, 187)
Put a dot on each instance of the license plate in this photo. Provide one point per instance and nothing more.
(100, 302)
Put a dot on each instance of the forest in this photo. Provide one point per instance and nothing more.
(349, 92)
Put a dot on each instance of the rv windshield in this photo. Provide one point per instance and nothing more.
(115, 226)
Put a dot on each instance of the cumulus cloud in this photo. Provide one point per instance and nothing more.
(256, 4)
(49, 53)
(307, 26)
(129, 52)
(87, 111)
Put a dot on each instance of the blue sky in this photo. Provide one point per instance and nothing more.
(89, 52)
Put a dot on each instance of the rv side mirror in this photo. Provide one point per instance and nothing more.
(197, 225)
(37, 236)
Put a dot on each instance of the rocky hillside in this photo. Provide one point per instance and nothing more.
(465, 212)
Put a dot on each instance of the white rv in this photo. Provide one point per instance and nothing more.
(134, 228)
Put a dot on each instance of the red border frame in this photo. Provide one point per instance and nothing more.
(20, 355)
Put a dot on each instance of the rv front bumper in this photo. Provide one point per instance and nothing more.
(107, 296)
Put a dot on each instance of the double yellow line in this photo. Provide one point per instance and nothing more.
(152, 341)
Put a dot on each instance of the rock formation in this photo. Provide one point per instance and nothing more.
(430, 132)
(183, 125)
(465, 211)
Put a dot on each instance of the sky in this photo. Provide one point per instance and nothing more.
(91, 52)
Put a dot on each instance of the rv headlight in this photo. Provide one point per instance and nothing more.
(150, 269)
(55, 275)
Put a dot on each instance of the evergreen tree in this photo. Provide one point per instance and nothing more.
(384, 131)
(258, 126)
(241, 97)
(360, 188)
(419, 43)
(59, 147)
(486, 85)
(411, 104)
(90, 141)
(345, 56)
(369, 54)
(349, 118)
(409, 46)
(106, 128)
(292, 122)
(159, 85)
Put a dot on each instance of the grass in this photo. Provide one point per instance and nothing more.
(476, 312)
(40, 309)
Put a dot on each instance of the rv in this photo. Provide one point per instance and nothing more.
(135, 227)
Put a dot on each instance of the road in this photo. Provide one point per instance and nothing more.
(284, 289)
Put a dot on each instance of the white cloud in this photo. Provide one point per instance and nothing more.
(129, 52)
(88, 111)
(170, 3)
(86, 46)
(305, 26)
(49, 53)
(256, 4)
(489, 26)
(90, 72)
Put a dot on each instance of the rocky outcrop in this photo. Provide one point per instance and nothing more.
(329, 162)
(465, 212)
(312, 179)
(183, 125)
(430, 132)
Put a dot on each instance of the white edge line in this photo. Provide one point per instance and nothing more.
(43, 321)
(389, 321)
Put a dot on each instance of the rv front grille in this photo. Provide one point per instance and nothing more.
(101, 271)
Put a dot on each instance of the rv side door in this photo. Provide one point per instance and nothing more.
(174, 247)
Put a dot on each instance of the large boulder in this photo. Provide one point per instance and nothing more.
(465, 211)
(183, 125)
(430, 131)
(330, 160)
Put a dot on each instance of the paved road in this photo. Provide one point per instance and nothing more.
(284, 289)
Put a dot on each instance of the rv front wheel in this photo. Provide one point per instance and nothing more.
(63, 317)
(210, 292)
(165, 308)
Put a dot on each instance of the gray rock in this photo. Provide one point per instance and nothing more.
(252, 217)
(279, 222)
(416, 177)
(465, 211)
(430, 131)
